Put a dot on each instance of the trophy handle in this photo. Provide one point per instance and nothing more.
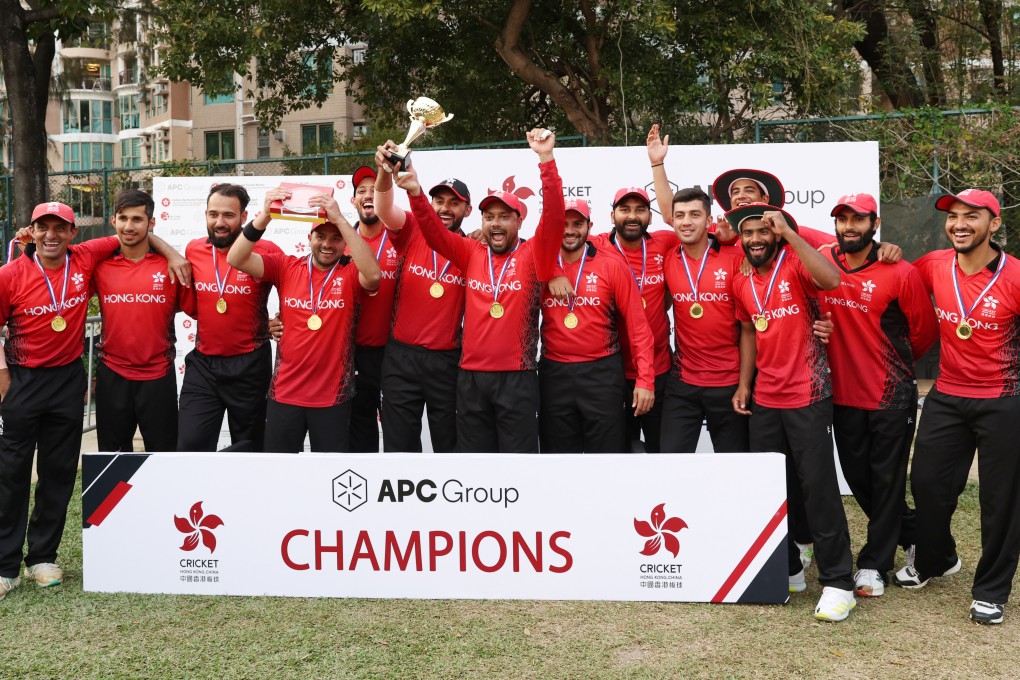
(410, 102)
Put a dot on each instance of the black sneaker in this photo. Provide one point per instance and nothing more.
(986, 612)
(907, 577)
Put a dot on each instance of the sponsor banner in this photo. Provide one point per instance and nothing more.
(695, 528)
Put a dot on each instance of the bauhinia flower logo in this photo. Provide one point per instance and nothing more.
(197, 526)
(522, 193)
(660, 531)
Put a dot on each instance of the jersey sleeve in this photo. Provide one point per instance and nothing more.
(97, 249)
(403, 237)
(915, 303)
(639, 332)
(816, 239)
(6, 274)
(272, 267)
(453, 247)
(549, 233)
(924, 266)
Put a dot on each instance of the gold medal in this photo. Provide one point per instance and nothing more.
(963, 330)
(644, 303)
(58, 324)
(314, 322)
(697, 311)
(761, 324)
(496, 310)
(437, 290)
(221, 306)
(570, 321)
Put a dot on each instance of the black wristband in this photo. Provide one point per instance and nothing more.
(251, 233)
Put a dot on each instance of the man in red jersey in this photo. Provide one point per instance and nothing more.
(44, 302)
(230, 367)
(792, 410)
(136, 386)
(974, 401)
(581, 371)
(420, 367)
(885, 321)
(319, 296)
(373, 326)
(497, 387)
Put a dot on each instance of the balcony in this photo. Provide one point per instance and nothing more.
(90, 83)
(129, 77)
(100, 41)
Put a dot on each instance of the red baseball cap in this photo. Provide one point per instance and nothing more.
(361, 174)
(579, 206)
(862, 204)
(60, 210)
(631, 191)
(975, 198)
(504, 197)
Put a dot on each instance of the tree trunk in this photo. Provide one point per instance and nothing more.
(991, 15)
(893, 74)
(931, 56)
(27, 76)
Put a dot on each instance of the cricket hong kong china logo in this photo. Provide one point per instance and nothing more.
(198, 528)
(660, 532)
(522, 193)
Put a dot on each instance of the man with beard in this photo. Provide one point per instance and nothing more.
(319, 297)
(972, 404)
(373, 325)
(792, 410)
(231, 365)
(497, 387)
(420, 368)
(885, 322)
(581, 372)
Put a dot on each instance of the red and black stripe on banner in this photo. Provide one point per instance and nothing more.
(104, 482)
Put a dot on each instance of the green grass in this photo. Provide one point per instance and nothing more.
(64, 632)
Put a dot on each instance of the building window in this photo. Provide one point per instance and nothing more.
(316, 138)
(224, 80)
(263, 143)
(358, 55)
(360, 129)
(83, 156)
(131, 153)
(128, 112)
(219, 145)
(88, 116)
(312, 65)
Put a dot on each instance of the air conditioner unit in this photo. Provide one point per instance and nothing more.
(160, 135)
(160, 88)
(279, 135)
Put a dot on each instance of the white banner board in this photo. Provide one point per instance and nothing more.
(706, 528)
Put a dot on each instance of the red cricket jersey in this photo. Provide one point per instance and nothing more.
(707, 348)
(883, 321)
(508, 343)
(653, 291)
(244, 327)
(420, 318)
(314, 368)
(986, 365)
(373, 327)
(28, 310)
(138, 304)
(793, 370)
(605, 291)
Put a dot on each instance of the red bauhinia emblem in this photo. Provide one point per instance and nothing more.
(661, 530)
(523, 193)
(197, 526)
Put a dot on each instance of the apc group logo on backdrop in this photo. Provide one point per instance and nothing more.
(350, 490)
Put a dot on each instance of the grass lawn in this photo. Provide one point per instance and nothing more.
(64, 632)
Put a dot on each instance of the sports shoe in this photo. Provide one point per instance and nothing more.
(910, 552)
(869, 583)
(807, 553)
(8, 584)
(45, 574)
(835, 604)
(907, 577)
(986, 612)
(798, 584)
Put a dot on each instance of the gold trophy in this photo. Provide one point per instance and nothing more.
(425, 114)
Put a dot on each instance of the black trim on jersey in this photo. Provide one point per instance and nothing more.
(612, 235)
(871, 259)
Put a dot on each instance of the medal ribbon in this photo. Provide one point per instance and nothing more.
(316, 301)
(687, 270)
(965, 313)
(49, 286)
(577, 281)
(492, 276)
(220, 284)
(644, 261)
(772, 282)
(382, 244)
(435, 268)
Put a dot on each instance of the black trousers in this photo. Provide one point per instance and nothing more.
(413, 379)
(580, 406)
(650, 424)
(43, 409)
(686, 406)
(212, 384)
(805, 436)
(123, 405)
(874, 447)
(497, 412)
(366, 404)
(328, 428)
(951, 429)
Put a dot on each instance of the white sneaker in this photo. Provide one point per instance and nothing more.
(868, 583)
(8, 584)
(835, 604)
(45, 574)
(806, 554)
(798, 583)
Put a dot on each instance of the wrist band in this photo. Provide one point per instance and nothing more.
(655, 165)
(251, 233)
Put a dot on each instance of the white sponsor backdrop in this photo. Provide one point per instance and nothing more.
(263, 511)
